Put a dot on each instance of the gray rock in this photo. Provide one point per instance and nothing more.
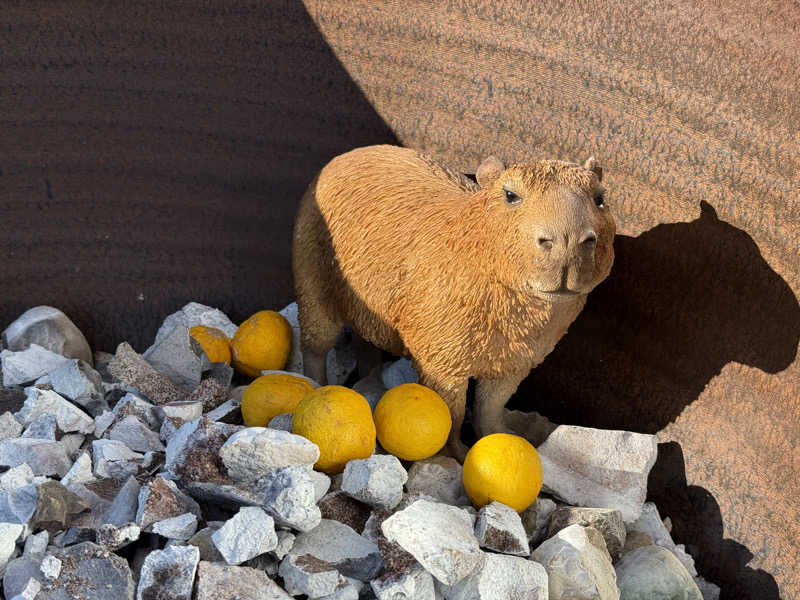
(30, 590)
(107, 575)
(281, 422)
(73, 444)
(130, 368)
(225, 582)
(202, 539)
(655, 573)
(372, 388)
(338, 506)
(306, 575)
(606, 520)
(114, 459)
(180, 357)
(502, 578)
(161, 499)
(536, 519)
(578, 565)
(650, 523)
(49, 328)
(295, 362)
(249, 533)
(44, 457)
(132, 405)
(9, 532)
(599, 468)
(68, 417)
(228, 496)
(285, 543)
(531, 425)
(42, 427)
(36, 544)
(9, 426)
(229, 411)
(193, 314)
(180, 528)
(125, 505)
(135, 435)
(80, 383)
(348, 589)
(102, 422)
(340, 547)
(438, 477)
(56, 507)
(439, 536)
(289, 495)
(168, 574)
(193, 452)
(395, 559)
(397, 373)
(17, 506)
(254, 452)
(499, 528)
(416, 584)
(377, 480)
(710, 591)
(341, 361)
(19, 572)
(28, 365)
(113, 537)
(80, 471)
(187, 411)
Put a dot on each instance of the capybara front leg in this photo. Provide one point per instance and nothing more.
(453, 391)
(491, 396)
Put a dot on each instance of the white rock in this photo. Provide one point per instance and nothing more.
(598, 468)
(416, 584)
(113, 537)
(114, 459)
(193, 314)
(650, 522)
(30, 591)
(289, 495)
(499, 528)
(653, 572)
(281, 422)
(80, 471)
(39, 402)
(181, 527)
(536, 519)
(36, 544)
(254, 452)
(178, 356)
(102, 422)
(285, 543)
(322, 483)
(377, 480)
(578, 565)
(302, 575)
(50, 567)
(438, 477)
(439, 536)
(397, 373)
(185, 410)
(168, 573)
(16, 477)
(9, 532)
(73, 444)
(502, 578)
(335, 544)
(249, 533)
(136, 435)
(44, 457)
(49, 328)
(77, 381)
(224, 582)
(28, 365)
(9, 426)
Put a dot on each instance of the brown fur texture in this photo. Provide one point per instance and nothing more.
(467, 280)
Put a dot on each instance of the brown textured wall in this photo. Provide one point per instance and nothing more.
(160, 149)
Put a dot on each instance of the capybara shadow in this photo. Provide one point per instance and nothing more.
(682, 301)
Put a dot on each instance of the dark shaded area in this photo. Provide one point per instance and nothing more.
(156, 156)
(682, 301)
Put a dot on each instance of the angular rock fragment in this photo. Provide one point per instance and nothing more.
(193, 452)
(322, 484)
(44, 457)
(179, 528)
(114, 459)
(229, 411)
(531, 425)
(416, 583)
(655, 573)
(536, 519)
(341, 361)
(395, 559)
(202, 539)
(161, 499)
(49, 328)
(9, 532)
(339, 546)
(288, 495)
(193, 314)
(249, 533)
(224, 496)
(210, 393)
(281, 422)
(18, 505)
(36, 544)
(607, 521)
(285, 543)
(650, 523)
(254, 452)
(295, 362)
(226, 582)
(29, 592)
(348, 589)
(439, 536)
(125, 504)
(91, 573)
(598, 467)
(102, 422)
(80, 383)
(68, 417)
(338, 506)
(397, 373)
(180, 357)
(438, 477)
(499, 528)
(9, 426)
(29, 364)
(50, 567)
(135, 435)
(168, 574)
(130, 368)
(42, 427)
(19, 572)
(307, 575)
(17, 477)
(113, 537)
(377, 480)
(185, 410)
(56, 507)
(371, 387)
(133, 405)
(502, 578)
(578, 565)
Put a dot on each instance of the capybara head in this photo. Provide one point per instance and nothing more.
(552, 224)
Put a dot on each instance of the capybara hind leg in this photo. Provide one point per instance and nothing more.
(318, 333)
(491, 396)
(453, 391)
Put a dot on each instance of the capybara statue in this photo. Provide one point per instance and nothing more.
(466, 279)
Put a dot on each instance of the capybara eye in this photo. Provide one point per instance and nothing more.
(511, 197)
(599, 200)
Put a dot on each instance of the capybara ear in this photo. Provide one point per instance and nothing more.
(592, 164)
(489, 170)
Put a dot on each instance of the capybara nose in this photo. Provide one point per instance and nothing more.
(588, 239)
(544, 241)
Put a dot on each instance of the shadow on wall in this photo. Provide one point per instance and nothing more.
(682, 301)
(154, 161)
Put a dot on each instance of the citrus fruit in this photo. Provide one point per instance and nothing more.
(262, 342)
(505, 468)
(412, 421)
(339, 421)
(215, 343)
(271, 395)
